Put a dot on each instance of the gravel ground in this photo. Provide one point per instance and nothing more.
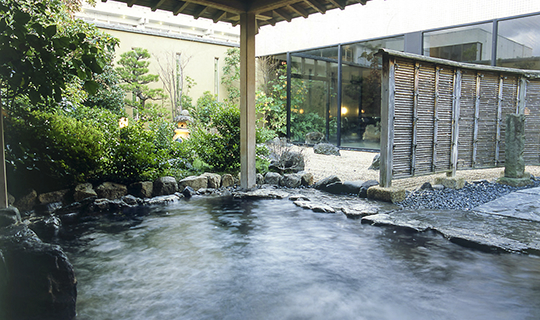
(353, 165)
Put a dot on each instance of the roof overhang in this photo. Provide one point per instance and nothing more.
(267, 12)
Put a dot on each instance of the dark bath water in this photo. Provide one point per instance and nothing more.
(223, 259)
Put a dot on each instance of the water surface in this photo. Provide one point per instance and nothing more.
(219, 258)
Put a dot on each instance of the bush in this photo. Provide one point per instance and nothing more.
(52, 148)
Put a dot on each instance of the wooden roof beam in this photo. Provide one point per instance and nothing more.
(180, 8)
(157, 5)
(316, 5)
(339, 3)
(233, 6)
(130, 3)
(281, 13)
(199, 13)
(299, 10)
(219, 16)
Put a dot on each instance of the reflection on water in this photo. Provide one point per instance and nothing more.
(268, 259)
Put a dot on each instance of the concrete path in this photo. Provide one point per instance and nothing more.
(510, 223)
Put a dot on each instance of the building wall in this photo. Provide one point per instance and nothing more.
(198, 57)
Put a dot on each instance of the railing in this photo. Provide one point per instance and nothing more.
(441, 116)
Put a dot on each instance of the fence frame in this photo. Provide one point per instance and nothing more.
(392, 103)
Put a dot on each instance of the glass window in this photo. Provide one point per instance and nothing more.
(518, 43)
(466, 44)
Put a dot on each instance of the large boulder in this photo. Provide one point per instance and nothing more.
(323, 183)
(227, 180)
(307, 178)
(27, 202)
(272, 178)
(111, 190)
(141, 189)
(213, 180)
(346, 187)
(9, 216)
(83, 191)
(314, 137)
(289, 162)
(46, 227)
(326, 149)
(291, 180)
(195, 182)
(376, 163)
(54, 196)
(37, 280)
(164, 186)
(365, 186)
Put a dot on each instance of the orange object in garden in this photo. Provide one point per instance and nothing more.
(182, 132)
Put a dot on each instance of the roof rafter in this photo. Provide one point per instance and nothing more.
(299, 10)
(339, 3)
(234, 6)
(130, 3)
(199, 12)
(281, 13)
(219, 15)
(316, 5)
(181, 6)
(157, 5)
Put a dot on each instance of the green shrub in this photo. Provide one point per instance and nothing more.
(53, 150)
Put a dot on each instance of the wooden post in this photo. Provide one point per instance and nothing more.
(416, 103)
(499, 120)
(456, 103)
(436, 119)
(522, 96)
(476, 119)
(387, 120)
(248, 29)
(3, 177)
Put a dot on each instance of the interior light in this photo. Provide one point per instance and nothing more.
(301, 110)
(362, 111)
(344, 110)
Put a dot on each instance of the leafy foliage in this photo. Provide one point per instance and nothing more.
(134, 78)
(42, 51)
(231, 75)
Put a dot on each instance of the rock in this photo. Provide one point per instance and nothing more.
(295, 197)
(83, 191)
(47, 209)
(261, 194)
(426, 186)
(365, 186)
(188, 192)
(132, 200)
(27, 202)
(195, 182)
(315, 207)
(214, 180)
(289, 162)
(272, 178)
(111, 190)
(46, 228)
(38, 281)
(291, 180)
(314, 137)
(260, 179)
(161, 199)
(141, 189)
(227, 180)
(165, 186)
(9, 216)
(326, 149)
(321, 184)
(307, 178)
(376, 163)
(54, 196)
(437, 187)
(347, 187)
(388, 194)
(11, 199)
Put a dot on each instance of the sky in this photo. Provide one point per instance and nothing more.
(381, 18)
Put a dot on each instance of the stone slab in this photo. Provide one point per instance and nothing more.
(522, 204)
(478, 230)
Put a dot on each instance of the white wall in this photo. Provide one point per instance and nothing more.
(381, 18)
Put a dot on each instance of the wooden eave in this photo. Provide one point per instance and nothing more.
(268, 12)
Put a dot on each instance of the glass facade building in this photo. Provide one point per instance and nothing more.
(336, 90)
